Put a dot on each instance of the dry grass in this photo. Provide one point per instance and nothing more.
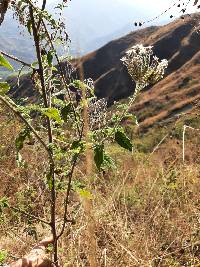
(146, 210)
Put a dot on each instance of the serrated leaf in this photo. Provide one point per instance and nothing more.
(99, 155)
(53, 113)
(5, 63)
(108, 162)
(4, 88)
(66, 111)
(123, 140)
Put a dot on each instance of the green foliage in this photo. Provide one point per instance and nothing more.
(3, 256)
(4, 203)
(123, 140)
(52, 113)
(50, 58)
(99, 155)
(62, 126)
(4, 88)
(19, 141)
(85, 194)
(108, 162)
(65, 112)
(49, 181)
(29, 26)
(78, 147)
(5, 63)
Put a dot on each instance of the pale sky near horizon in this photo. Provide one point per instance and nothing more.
(143, 3)
(150, 6)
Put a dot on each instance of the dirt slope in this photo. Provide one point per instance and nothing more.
(179, 42)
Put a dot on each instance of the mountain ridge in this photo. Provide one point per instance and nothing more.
(177, 41)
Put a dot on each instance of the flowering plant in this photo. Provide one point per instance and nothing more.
(143, 67)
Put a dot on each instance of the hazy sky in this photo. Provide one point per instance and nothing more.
(151, 7)
(146, 4)
(143, 3)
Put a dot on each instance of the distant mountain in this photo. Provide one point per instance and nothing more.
(90, 24)
(179, 42)
(94, 23)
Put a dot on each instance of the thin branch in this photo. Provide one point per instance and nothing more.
(17, 60)
(158, 145)
(36, 37)
(30, 215)
(66, 201)
(62, 74)
(43, 8)
(13, 108)
(39, 57)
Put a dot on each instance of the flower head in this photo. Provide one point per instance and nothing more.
(143, 67)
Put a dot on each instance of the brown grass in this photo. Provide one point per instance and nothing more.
(146, 210)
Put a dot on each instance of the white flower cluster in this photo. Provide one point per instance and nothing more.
(143, 67)
(97, 113)
(97, 108)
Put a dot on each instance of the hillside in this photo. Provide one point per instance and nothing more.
(178, 42)
(80, 189)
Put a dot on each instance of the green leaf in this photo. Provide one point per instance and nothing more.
(4, 202)
(34, 64)
(77, 148)
(123, 140)
(77, 185)
(19, 141)
(85, 194)
(5, 63)
(50, 58)
(99, 155)
(3, 256)
(53, 113)
(66, 111)
(108, 162)
(4, 88)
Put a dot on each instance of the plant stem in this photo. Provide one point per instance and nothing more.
(62, 75)
(13, 108)
(50, 136)
(30, 215)
(17, 60)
